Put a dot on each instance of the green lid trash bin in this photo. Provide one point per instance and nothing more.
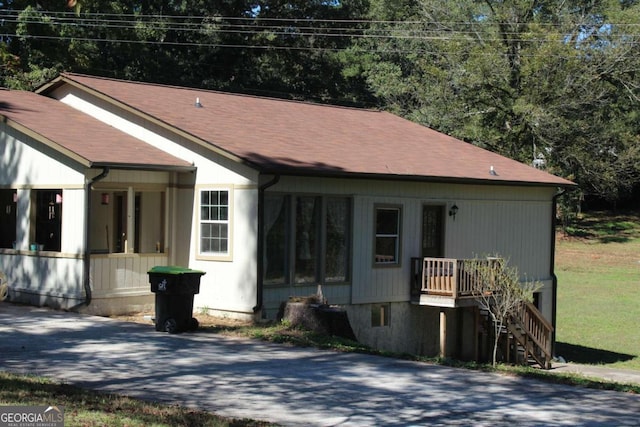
(174, 288)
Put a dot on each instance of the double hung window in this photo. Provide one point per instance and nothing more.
(387, 235)
(214, 222)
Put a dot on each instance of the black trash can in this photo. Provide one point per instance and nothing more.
(174, 288)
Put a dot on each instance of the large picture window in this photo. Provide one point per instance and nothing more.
(387, 235)
(214, 222)
(306, 239)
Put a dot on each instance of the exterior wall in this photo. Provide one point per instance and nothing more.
(230, 286)
(514, 222)
(416, 330)
(42, 277)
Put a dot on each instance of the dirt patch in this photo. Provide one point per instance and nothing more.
(203, 319)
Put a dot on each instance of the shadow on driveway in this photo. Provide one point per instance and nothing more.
(243, 378)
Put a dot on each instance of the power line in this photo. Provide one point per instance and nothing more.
(422, 51)
(196, 20)
(628, 39)
(257, 18)
(208, 26)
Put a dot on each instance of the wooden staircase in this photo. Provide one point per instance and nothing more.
(532, 333)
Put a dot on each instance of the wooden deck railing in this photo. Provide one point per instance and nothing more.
(444, 276)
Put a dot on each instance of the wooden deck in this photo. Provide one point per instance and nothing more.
(438, 281)
(449, 282)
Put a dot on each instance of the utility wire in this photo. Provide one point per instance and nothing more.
(256, 18)
(216, 25)
(136, 19)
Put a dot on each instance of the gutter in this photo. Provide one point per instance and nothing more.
(260, 260)
(554, 278)
(87, 231)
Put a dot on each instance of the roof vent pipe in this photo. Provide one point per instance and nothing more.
(198, 104)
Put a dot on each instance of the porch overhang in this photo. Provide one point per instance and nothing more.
(184, 167)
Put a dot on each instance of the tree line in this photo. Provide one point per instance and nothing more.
(553, 83)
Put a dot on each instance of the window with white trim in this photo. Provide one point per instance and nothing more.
(214, 222)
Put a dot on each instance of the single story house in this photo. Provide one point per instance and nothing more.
(102, 179)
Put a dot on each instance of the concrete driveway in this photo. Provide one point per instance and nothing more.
(243, 378)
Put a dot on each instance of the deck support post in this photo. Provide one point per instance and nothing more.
(443, 333)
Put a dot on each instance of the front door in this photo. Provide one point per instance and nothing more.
(433, 231)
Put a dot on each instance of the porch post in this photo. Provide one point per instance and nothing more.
(129, 243)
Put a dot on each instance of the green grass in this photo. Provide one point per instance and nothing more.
(88, 408)
(598, 269)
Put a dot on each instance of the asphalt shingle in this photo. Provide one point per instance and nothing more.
(92, 141)
(297, 137)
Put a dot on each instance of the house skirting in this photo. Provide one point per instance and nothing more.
(402, 327)
(55, 300)
(228, 314)
(107, 304)
(116, 303)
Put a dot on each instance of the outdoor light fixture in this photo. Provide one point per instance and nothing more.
(453, 211)
(105, 198)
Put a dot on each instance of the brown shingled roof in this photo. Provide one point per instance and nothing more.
(295, 137)
(79, 136)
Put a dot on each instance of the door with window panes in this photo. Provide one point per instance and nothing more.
(433, 231)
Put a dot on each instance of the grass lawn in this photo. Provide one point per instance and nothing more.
(598, 269)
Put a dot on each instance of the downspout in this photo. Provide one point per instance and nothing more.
(260, 260)
(554, 278)
(87, 232)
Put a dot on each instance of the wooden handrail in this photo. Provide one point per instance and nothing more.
(537, 329)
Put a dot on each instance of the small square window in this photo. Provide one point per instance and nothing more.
(380, 315)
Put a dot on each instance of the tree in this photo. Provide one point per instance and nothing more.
(280, 48)
(498, 290)
(551, 80)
